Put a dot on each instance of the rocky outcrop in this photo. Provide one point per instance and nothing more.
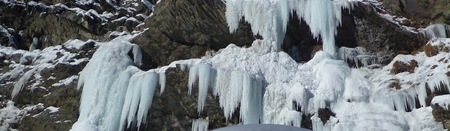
(423, 12)
(381, 35)
(53, 22)
(186, 29)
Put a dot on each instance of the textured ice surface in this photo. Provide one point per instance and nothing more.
(359, 97)
(269, 18)
(116, 94)
(200, 125)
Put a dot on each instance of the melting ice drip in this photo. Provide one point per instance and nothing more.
(269, 18)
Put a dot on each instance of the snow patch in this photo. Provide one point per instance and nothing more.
(443, 101)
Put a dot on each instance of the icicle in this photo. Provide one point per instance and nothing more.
(114, 90)
(193, 75)
(162, 82)
(252, 98)
(435, 31)
(204, 73)
(269, 18)
(137, 55)
(200, 125)
(148, 84)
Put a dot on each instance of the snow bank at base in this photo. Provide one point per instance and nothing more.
(116, 94)
(269, 18)
(442, 101)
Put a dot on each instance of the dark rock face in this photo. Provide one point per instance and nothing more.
(422, 12)
(186, 29)
(53, 24)
(441, 115)
(380, 35)
(299, 42)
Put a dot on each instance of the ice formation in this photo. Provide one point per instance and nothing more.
(359, 56)
(442, 101)
(436, 31)
(116, 94)
(200, 125)
(359, 97)
(267, 87)
(269, 18)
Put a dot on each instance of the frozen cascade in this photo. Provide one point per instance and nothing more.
(114, 90)
(269, 91)
(436, 31)
(232, 88)
(251, 103)
(269, 18)
(200, 125)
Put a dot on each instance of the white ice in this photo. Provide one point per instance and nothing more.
(200, 125)
(269, 18)
(116, 94)
(443, 101)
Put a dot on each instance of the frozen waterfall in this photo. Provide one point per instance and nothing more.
(269, 18)
(116, 94)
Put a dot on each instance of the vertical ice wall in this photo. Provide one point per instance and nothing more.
(200, 125)
(116, 94)
(436, 31)
(269, 18)
(234, 88)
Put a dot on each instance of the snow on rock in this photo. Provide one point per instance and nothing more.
(11, 114)
(269, 18)
(443, 101)
(29, 64)
(75, 44)
(52, 109)
(66, 81)
(429, 72)
(200, 125)
(116, 94)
